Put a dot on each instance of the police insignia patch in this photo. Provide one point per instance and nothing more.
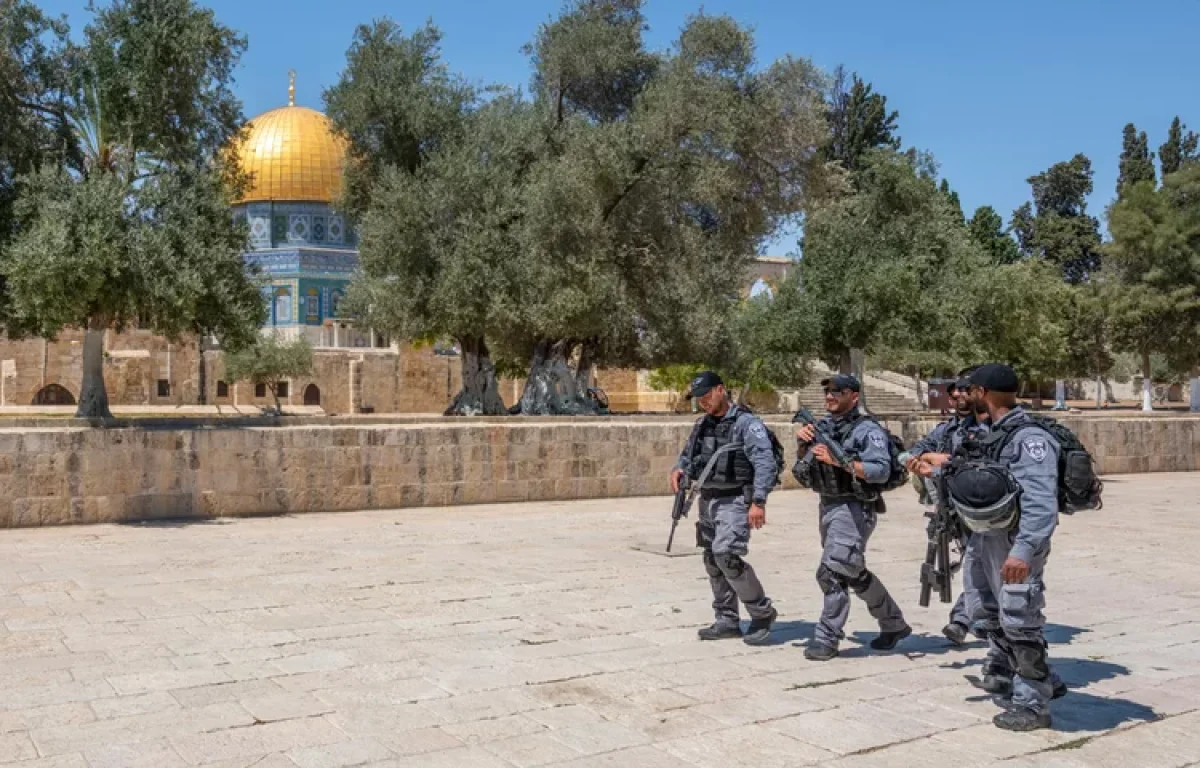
(758, 430)
(1036, 448)
(878, 440)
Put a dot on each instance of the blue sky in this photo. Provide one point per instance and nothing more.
(996, 91)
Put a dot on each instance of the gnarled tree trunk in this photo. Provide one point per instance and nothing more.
(1147, 384)
(552, 388)
(480, 393)
(93, 397)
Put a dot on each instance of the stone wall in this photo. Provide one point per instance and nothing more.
(60, 475)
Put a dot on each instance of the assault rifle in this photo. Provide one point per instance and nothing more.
(688, 490)
(937, 570)
(805, 418)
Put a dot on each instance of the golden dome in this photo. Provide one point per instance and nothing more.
(292, 154)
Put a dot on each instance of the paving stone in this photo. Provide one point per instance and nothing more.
(312, 641)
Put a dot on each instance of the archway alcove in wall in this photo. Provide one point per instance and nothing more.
(54, 394)
(312, 395)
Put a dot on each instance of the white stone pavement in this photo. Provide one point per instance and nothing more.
(540, 634)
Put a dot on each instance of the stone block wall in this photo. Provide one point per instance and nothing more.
(62, 475)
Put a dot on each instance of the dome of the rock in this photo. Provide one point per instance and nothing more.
(292, 154)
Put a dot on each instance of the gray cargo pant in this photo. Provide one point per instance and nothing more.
(846, 526)
(723, 532)
(1010, 615)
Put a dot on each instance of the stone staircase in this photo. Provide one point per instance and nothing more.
(884, 394)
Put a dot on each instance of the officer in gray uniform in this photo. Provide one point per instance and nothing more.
(733, 500)
(927, 456)
(849, 508)
(1008, 495)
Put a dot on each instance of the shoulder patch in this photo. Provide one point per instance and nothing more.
(877, 439)
(758, 430)
(1036, 448)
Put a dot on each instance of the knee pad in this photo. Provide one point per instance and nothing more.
(732, 565)
(710, 564)
(1031, 660)
(830, 581)
(862, 582)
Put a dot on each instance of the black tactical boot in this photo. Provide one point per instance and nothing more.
(887, 640)
(955, 633)
(1021, 719)
(1060, 689)
(759, 631)
(818, 652)
(720, 631)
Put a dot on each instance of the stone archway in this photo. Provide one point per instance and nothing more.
(312, 395)
(54, 394)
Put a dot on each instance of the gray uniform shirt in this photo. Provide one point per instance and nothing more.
(868, 443)
(958, 427)
(749, 430)
(1032, 456)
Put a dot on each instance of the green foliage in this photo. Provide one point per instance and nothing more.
(1021, 316)
(1137, 161)
(396, 102)
(270, 362)
(987, 230)
(1088, 332)
(1179, 148)
(859, 121)
(34, 127)
(888, 265)
(1155, 262)
(139, 231)
(952, 198)
(1057, 227)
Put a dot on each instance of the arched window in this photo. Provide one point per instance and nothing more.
(283, 306)
(760, 288)
(312, 307)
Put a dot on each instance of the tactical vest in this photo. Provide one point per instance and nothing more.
(829, 480)
(733, 469)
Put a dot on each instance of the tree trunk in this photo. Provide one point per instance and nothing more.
(1147, 384)
(586, 365)
(93, 397)
(922, 400)
(1109, 397)
(857, 368)
(1036, 401)
(274, 387)
(1060, 395)
(1099, 392)
(551, 389)
(202, 374)
(1194, 391)
(480, 393)
(845, 364)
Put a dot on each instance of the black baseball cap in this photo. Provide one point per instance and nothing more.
(704, 381)
(996, 377)
(964, 378)
(842, 381)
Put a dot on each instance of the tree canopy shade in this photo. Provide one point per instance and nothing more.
(138, 232)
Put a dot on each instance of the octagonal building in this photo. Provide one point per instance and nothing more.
(304, 248)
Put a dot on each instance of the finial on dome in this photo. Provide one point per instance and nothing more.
(291, 87)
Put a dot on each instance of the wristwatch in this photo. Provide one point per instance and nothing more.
(759, 502)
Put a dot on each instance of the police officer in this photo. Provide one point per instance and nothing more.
(733, 500)
(849, 507)
(927, 456)
(1006, 563)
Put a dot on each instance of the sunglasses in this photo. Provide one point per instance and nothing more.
(834, 392)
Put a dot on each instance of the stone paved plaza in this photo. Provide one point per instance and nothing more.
(553, 634)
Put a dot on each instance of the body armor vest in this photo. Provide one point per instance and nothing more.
(733, 469)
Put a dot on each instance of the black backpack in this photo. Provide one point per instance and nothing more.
(899, 473)
(1078, 486)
